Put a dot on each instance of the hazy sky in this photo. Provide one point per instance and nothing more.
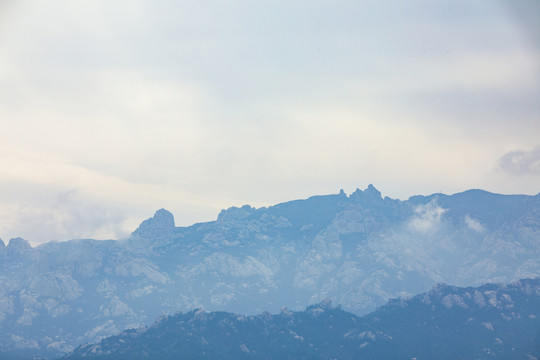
(110, 110)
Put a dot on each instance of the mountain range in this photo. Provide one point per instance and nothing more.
(357, 250)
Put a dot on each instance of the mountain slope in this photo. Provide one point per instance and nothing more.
(357, 250)
(488, 322)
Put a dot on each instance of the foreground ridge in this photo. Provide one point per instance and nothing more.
(487, 322)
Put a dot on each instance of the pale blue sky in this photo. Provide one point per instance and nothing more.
(111, 110)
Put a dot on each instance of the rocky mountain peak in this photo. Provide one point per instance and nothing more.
(162, 223)
(322, 306)
(235, 213)
(18, 244)
(369, 195)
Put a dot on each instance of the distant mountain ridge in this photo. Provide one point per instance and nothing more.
(487, 322)
(358, 250)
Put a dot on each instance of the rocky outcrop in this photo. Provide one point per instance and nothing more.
(160, 225)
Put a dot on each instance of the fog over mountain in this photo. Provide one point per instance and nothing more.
(357, 250)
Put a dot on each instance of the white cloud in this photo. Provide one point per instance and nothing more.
(69, 216)
(521, 162)
(428, 217)
(474, 224)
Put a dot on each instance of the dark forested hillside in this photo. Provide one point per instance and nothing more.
(486, 322)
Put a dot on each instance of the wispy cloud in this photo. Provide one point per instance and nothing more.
(521, 161)
(70, 216)
(428, 217)
(473, 224)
